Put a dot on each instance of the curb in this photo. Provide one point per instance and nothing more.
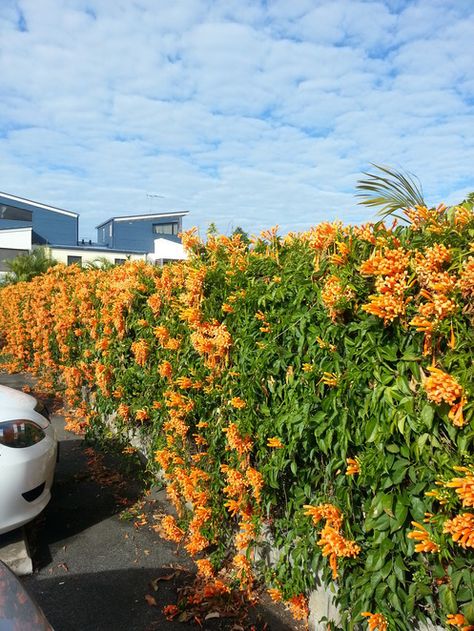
(15, 553)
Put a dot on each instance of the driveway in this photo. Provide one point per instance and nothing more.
(99, 565)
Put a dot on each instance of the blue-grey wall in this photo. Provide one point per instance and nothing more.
(54, 228)
(103, 235)
(136, 234)
(48, 226)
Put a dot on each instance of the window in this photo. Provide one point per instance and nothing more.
(166, 228)
(74, 259)
(15, 214)
(119, 261)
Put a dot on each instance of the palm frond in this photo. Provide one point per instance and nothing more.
(390, 189)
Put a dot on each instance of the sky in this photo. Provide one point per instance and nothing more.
(243, 112)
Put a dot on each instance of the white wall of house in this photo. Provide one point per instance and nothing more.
(16, 238)
(166, 250)
(66, 256)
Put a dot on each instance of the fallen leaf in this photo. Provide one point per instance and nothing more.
(212, 614)
(151, 600)
(167, 577)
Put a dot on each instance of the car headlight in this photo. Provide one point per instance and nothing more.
(20, 433)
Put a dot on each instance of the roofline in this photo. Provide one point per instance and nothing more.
(179, 213)
(70, 213)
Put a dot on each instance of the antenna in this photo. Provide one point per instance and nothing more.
(152, 196)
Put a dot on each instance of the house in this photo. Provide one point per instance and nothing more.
(26, 224)
(140, 231)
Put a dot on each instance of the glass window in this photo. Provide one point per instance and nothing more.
(119, 261)
(166, 228)
(15, 214)
(74, 259)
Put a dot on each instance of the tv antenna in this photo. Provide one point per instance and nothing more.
(151, 197)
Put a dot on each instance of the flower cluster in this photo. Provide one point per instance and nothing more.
(333, 544)
(440, 387)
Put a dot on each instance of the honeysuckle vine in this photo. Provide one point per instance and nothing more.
(311, 392)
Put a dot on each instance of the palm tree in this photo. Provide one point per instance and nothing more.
(391, 190)
(24, 267)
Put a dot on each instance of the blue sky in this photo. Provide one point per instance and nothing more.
(242, 112)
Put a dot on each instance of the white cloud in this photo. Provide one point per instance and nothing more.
(245, 113)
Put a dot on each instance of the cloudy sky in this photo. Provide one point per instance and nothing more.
(243, 112)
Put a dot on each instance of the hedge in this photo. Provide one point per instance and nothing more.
(313, 391)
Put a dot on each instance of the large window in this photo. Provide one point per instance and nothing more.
(15, 214)
(166, 228)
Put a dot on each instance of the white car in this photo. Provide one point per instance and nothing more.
(28, 452)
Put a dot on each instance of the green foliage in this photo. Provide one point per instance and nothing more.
(269, 297)
(24, 267)
(391, 190)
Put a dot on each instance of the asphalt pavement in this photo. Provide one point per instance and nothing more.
(98, 563)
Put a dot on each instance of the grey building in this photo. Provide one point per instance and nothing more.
(25, 224)
(49, 225)
(138, 232)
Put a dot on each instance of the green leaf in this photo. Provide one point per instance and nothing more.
(468, 611)
(427, 415)
(448, 599)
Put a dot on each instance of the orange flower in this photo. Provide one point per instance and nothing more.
(170, 612)
(376, 621)
(334, 545)
(461, 528)
(255, 479)
(123, 411)
(169, 529)
(441, 387)
(353, 467)
(334, 295)
(238, 403)
(142, 415)
(464, 486)
(196, 543)
(275, 443)
(329, 512)
(184, 382)
(243, 567)
(329, 379)
(423, 536)
(205, 568)
(459, 620)
(298, 605)
(140, 350)
(275, 594)
(235, 440)
(165, 370)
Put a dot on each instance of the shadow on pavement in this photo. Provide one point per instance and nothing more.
(114, 600)
(79, 501)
